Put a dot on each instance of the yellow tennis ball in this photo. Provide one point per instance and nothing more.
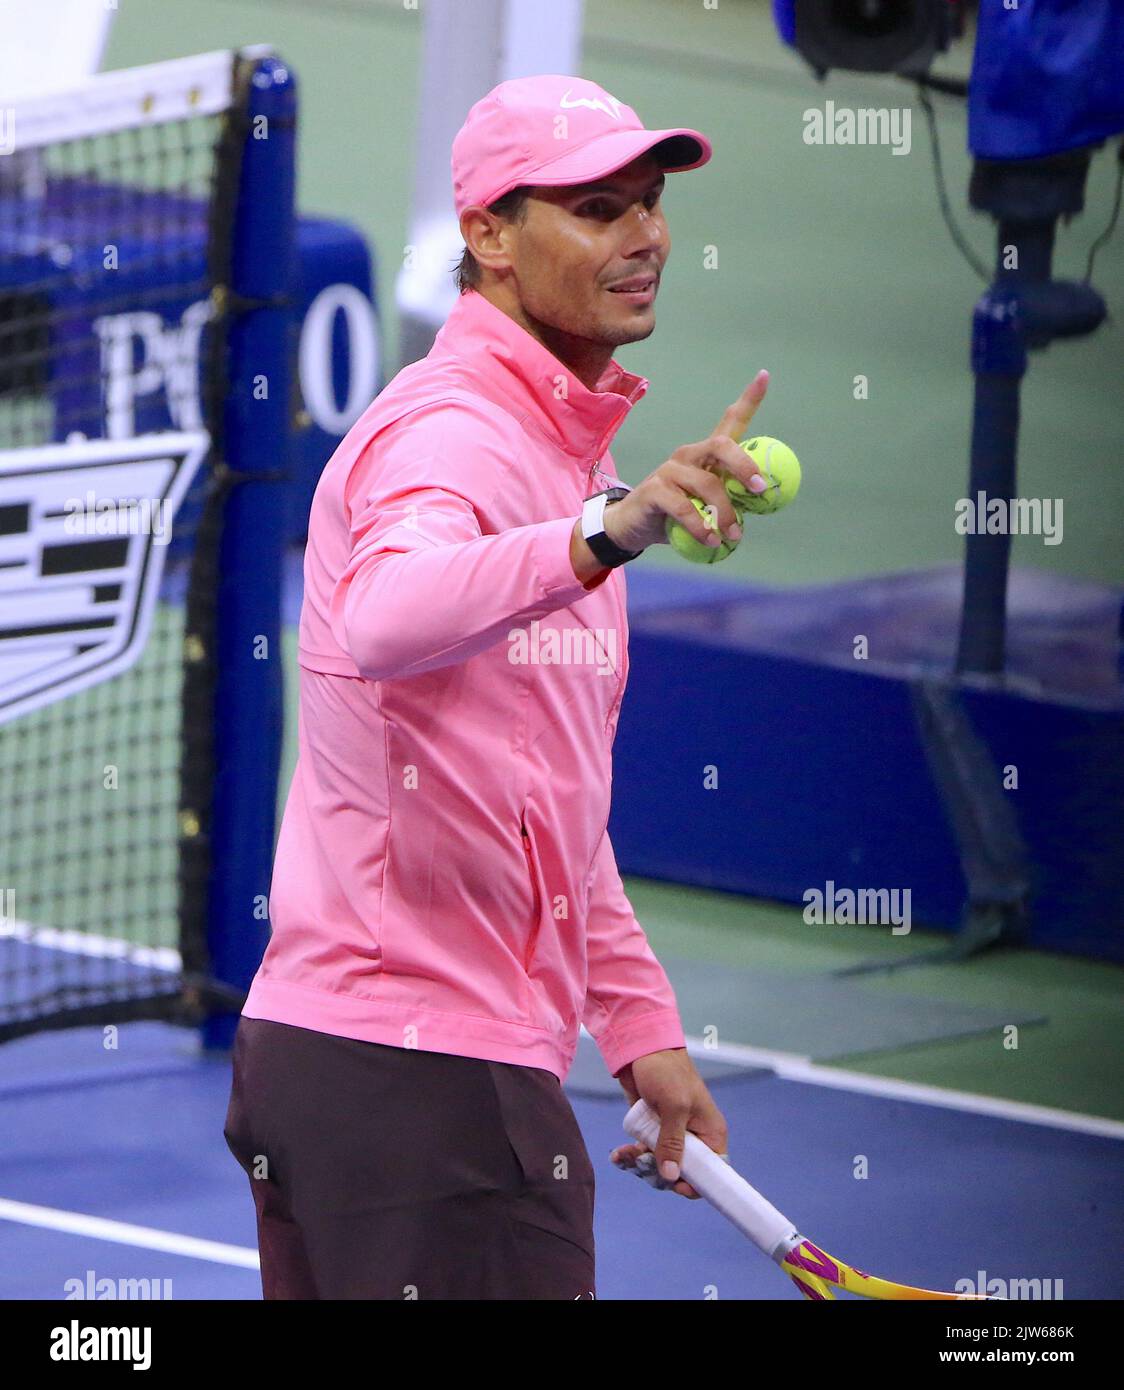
(685, 544)
(779, 467)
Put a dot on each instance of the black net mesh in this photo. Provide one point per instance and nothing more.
(107, 258)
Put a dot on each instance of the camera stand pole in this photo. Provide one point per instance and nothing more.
(1022, 310)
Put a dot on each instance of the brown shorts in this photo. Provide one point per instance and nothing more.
(385, 1172)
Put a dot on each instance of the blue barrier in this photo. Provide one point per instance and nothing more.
(821, 774)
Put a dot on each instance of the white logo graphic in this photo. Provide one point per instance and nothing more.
(593, 103)
(317, 359)
(168, 357)
(145, 359)
(77, 609)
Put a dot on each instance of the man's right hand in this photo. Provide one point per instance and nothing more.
(693, 470)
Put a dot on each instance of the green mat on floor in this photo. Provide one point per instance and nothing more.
(815, 1016)
(819, 1016)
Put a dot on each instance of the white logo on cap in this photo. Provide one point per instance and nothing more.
(594, 104)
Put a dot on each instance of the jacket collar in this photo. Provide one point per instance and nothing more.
(522, 376)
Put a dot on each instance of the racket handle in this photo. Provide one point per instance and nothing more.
(714, 1179)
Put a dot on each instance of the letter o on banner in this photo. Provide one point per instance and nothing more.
(316, 366)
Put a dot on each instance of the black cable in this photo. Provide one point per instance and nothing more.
(954, 86)
(942, 193)
(951, 86)
(1104, 236)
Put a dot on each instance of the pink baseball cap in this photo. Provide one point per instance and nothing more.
(556, 130)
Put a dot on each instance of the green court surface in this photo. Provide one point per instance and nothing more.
(832, 264)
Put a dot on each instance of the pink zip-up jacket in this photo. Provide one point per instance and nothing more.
(444, 879)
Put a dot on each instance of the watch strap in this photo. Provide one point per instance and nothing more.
(593, 528)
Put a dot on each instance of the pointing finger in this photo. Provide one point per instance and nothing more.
(736, 417)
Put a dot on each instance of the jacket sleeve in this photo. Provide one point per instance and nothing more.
(424, 587)
(630, 1007)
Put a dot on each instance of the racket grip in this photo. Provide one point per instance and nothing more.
(722, 1186)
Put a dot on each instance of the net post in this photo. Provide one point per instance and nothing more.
(252, 462)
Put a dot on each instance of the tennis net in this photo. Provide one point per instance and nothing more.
(117, 222)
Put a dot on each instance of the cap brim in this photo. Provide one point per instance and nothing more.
(681, 150)
(676, 150)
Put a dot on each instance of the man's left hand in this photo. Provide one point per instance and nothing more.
(673, 1088)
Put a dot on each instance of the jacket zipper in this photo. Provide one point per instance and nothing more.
(532, 940)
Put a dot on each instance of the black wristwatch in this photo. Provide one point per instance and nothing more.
(593, 528)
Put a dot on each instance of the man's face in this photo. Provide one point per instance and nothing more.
(578, 247)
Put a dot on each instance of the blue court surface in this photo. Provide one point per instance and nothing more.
(114, 1162)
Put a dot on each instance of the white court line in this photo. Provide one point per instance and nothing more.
(121, 1233)
(790, 1066)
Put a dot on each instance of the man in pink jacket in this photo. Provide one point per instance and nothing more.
(446, 906)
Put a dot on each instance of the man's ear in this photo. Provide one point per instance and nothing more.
(487, 236)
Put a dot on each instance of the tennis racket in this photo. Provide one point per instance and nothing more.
(811, 1269)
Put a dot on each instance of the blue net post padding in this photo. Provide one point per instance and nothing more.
(249, 672)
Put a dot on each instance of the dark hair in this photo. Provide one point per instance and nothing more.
(512, 207)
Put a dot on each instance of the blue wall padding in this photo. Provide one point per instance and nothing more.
(822, 775)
